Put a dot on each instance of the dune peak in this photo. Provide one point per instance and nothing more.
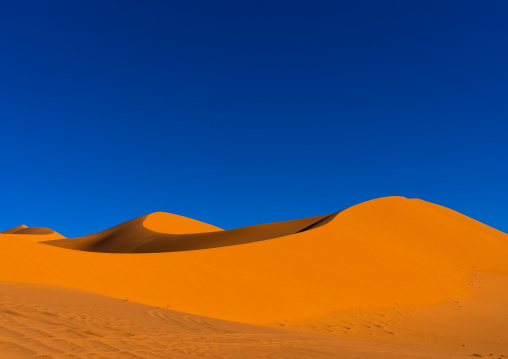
(164, 222)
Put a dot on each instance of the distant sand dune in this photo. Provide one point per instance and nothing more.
(392, 270)
(14, 229)
(48, 233)
(154, 233)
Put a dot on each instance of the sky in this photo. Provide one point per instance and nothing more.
(244, 112)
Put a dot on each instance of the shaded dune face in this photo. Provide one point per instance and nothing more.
(165, 232)
(35, 230)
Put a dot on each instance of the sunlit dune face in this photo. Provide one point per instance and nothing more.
(174, 224)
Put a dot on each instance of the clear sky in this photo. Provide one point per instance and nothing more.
(244, 112)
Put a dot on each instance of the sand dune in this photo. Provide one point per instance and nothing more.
(157, 232)
(387, 271)
(14, 229)
(41, 233)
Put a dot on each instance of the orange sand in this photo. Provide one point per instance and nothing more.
(403, 272)
(38, 321)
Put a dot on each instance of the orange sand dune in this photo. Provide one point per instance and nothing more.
(14, 229)
(160, 232)
(49, 234)
(393, 262)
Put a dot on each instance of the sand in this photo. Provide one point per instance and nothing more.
(39, 321)
(415, 278)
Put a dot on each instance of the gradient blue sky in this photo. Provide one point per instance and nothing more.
(243, 112)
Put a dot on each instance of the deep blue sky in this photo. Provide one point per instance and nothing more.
(243, 112)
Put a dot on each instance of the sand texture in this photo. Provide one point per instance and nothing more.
(387, 278)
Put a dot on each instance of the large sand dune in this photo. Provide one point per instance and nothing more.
(398, 271)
